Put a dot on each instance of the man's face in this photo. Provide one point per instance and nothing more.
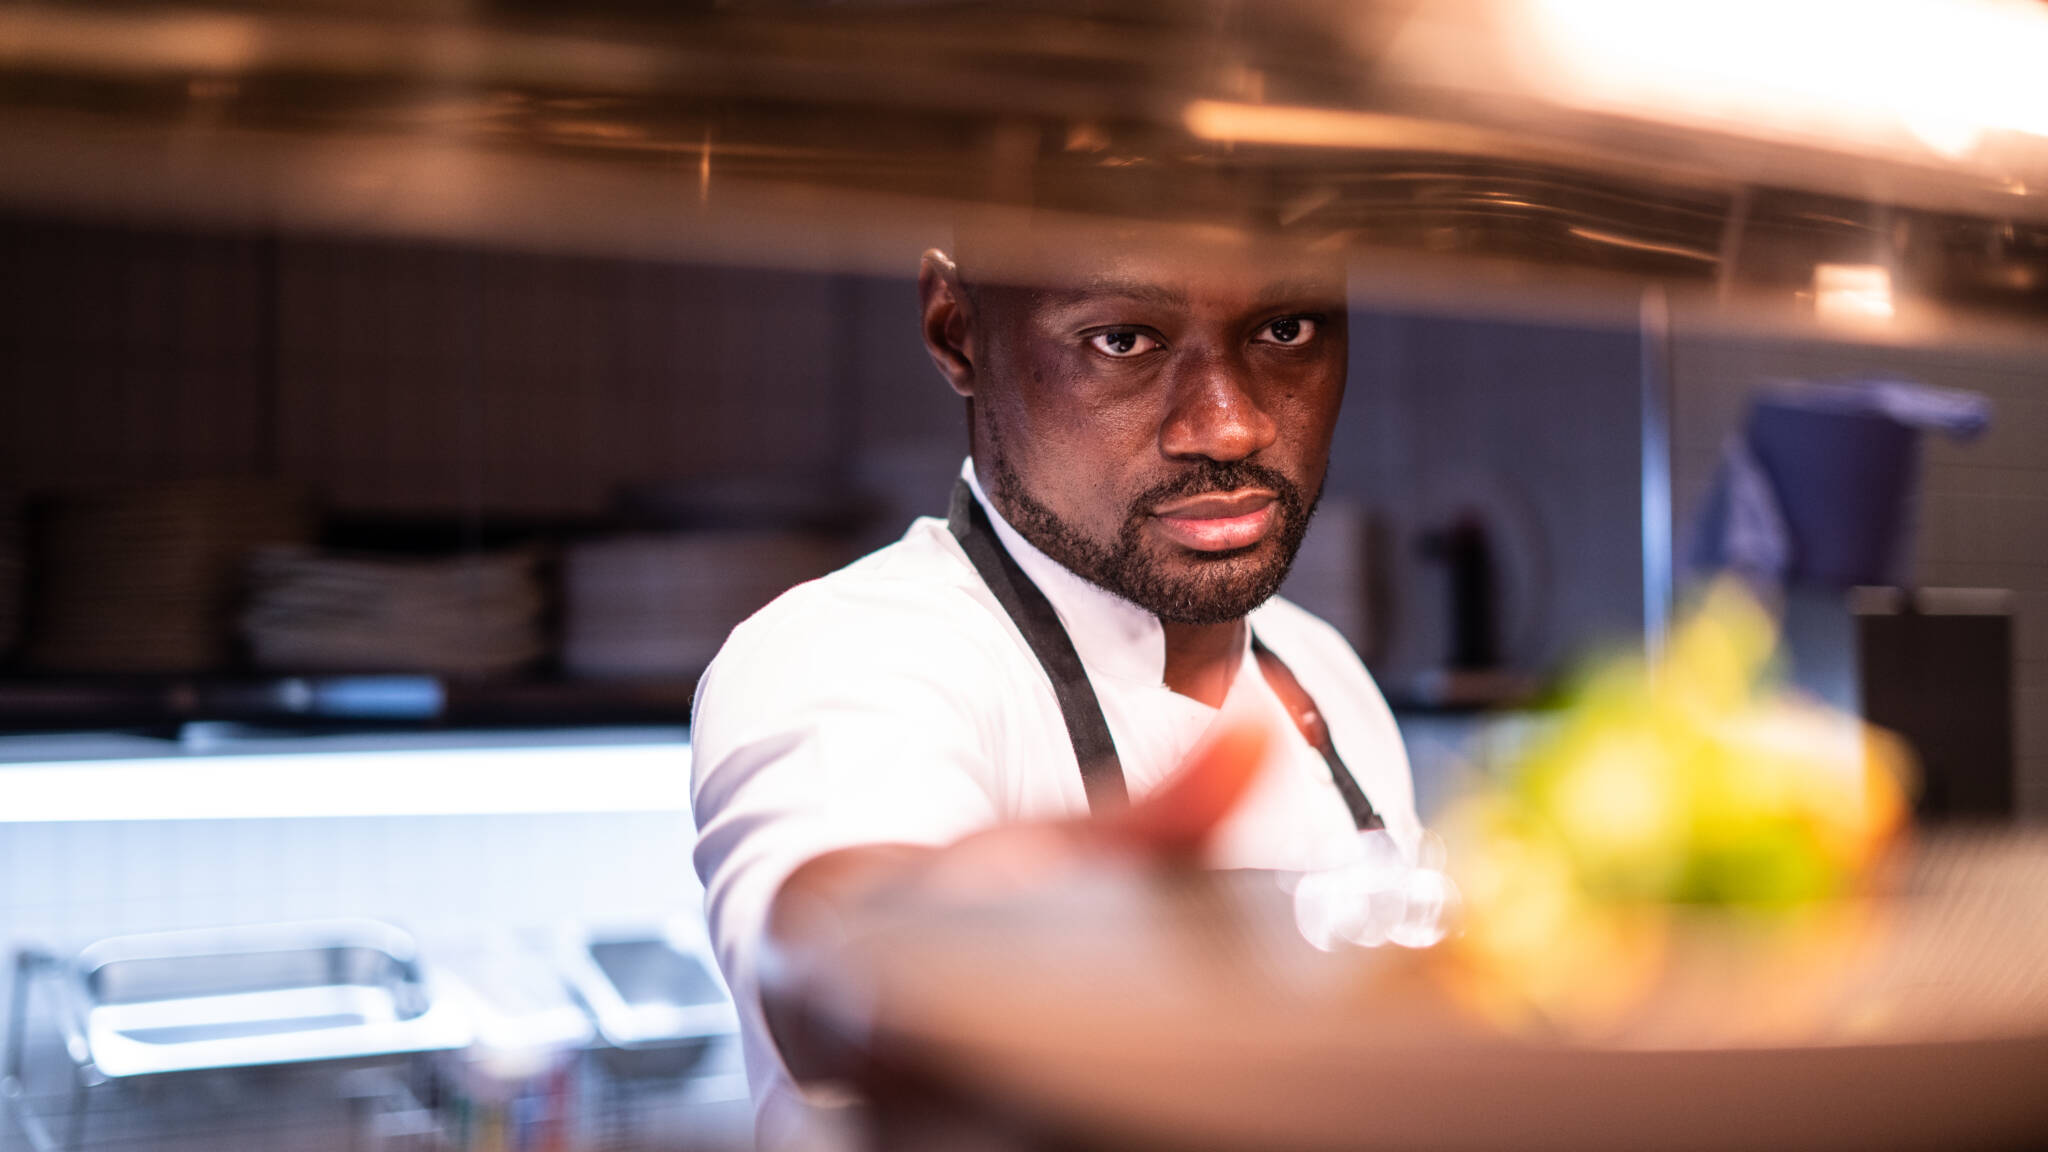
(1159, 420)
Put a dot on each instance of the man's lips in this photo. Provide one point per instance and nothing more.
(1218, 521)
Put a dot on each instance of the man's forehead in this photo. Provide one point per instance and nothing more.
(1166, 262)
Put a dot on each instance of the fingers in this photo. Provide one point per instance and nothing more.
(1179, 815)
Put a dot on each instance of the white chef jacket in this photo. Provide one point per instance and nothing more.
(894, 701)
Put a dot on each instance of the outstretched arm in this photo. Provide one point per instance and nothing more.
(813, 908)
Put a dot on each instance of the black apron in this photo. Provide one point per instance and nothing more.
(1102, 774)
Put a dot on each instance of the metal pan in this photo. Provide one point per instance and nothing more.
(654, 996)
(261, 995)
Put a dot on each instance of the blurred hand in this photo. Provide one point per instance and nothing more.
(1170, 826)
(820, 900)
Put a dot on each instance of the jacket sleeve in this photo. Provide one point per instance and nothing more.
(834, 718)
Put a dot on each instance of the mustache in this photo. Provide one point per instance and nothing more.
(1220, 476)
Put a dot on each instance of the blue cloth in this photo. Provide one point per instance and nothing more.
(1956, 413)
(1817, 487)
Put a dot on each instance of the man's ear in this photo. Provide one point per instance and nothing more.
(948, 320)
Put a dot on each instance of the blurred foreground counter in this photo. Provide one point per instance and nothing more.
(1185, 1011)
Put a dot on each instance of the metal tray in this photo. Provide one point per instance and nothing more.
(655, 997)
(269, 994)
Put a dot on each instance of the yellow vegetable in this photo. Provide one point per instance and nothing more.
(1695, 780)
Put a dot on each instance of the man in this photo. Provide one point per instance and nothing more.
(1150, 421)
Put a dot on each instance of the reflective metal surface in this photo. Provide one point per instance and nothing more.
(345, 995)
(1532, 133)
(183, 1001)
(656, 999)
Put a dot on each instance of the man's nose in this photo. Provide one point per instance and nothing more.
(1214, 412)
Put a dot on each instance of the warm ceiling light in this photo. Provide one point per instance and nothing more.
(1945, 71)
(1852, 291)
(1233, 122)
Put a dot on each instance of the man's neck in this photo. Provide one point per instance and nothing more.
(1200, 658)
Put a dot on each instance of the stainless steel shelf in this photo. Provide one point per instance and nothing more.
(239, 775)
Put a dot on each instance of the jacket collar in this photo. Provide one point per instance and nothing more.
(1113, 636)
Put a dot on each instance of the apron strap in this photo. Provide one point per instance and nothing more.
(1102, 774)
(1316, 730)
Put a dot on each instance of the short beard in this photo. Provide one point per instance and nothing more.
(1225, 586)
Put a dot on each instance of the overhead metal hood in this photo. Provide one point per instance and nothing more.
(1739, 150)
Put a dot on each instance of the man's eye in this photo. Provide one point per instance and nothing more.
(1123, 343)
(1291, 331)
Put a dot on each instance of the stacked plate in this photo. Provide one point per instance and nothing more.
(470, 616)
(660, 605)
(145, 579)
